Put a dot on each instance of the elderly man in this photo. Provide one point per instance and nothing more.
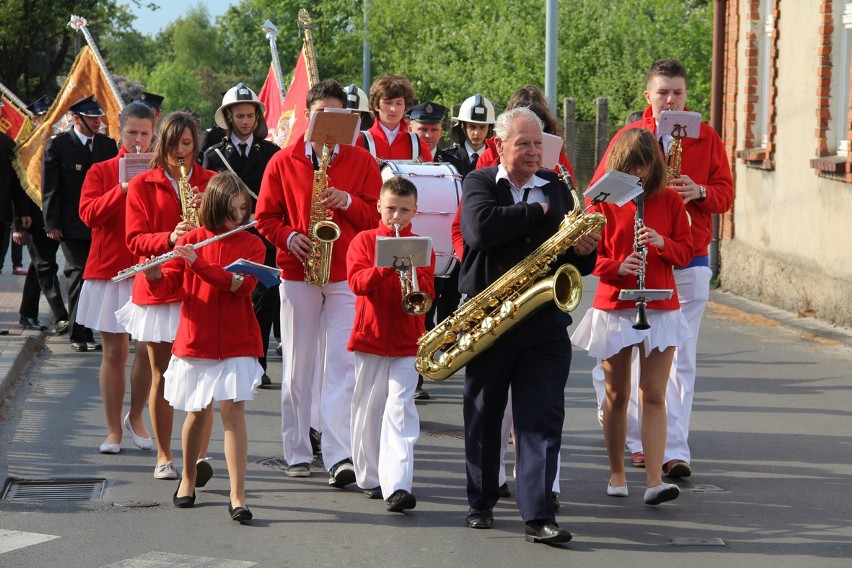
(509, 210)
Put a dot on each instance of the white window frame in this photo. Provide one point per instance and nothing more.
(842, 41)
(766, 25)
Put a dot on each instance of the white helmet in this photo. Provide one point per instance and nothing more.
(476, 109)
(356, 99)
(237, 95)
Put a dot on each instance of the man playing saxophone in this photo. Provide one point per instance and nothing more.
(509, 210)
(310, 314)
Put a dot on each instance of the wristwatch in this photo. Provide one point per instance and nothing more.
(702, 193)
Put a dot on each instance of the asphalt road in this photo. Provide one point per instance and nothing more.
(772, 458)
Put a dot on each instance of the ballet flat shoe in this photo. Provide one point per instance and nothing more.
(141, 443)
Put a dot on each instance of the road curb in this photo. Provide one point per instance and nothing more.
(17, 353)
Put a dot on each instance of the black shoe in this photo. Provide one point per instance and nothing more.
(316, 441)
(479, 518)
(240, 514)
(400, 501)
(420, 394)
(547, 532)
(265, 381)
(203, 472)
(341, 474)
(94, 346)
(183, 502)
(278, 349)
(62, 327)
(504, 490)
(555, 501)
(32, 323)
(374, 493)
(79, 347)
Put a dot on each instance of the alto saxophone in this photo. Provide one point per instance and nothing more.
(323, 230)
(479, 322)
(188, 212)
(673, 156)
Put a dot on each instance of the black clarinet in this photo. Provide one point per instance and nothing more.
(641, 317)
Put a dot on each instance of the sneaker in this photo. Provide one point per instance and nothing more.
(316, 441)
(278, 349)
(661, 493)
(374, 493)
(265, 381)
(676, 469)
(637, 459)
(298, 470)
(400, 501)
(19, 271)
(342, 474)
(420, 394)
(166, 471)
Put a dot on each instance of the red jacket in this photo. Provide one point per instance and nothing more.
(401, 148)
(705, 161)
(382, 327)
(102, 209)
(153, 211)
(285, 199)
(665, 214)
(215, 323)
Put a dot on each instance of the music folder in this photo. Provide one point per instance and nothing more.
(334, 126)
(615, 187)
(394, 252)
(267, 275)
(131, 164)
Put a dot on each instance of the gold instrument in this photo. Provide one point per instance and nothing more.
(479, 322)
(673, 155)
(188, 212)
(323, 231)
(414, 302)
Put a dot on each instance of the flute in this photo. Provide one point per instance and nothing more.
(165, 257)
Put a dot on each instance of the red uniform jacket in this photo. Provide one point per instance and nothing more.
(215, 323)
(665, 214)
(382, 327)
(153, 211)
(401, 148)
(705, 161)
(102, 209)
(285, 199)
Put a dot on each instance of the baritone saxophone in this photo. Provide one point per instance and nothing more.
(481, 320)
(323, 231)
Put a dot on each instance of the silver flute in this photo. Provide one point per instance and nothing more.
(165, 257)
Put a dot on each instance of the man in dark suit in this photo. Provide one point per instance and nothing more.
(509, 211)
(67, 158)
(245, 151)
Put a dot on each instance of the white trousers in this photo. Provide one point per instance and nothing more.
(385, 424)
(505, 430)
(693, 290)
(310, 315)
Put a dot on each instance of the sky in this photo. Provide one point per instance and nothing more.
(149, 23)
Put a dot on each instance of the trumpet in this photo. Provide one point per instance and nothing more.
(414, 302)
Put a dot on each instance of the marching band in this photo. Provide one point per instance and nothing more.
(350, 353)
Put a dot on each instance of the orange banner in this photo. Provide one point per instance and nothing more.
(84, 79)
(287, 121)
(12, 119)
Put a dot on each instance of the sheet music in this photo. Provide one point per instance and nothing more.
(390, 249)
(131, 164)
(552, 145)
(615, 187)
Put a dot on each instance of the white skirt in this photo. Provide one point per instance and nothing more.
(605, 333)
(192, 383)
(156, 323)
(99, 300)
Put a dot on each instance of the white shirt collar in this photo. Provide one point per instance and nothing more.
(471, 151)
(309, 150)
(83, 138)
(390, 134)
(534, 181)
(249, 141)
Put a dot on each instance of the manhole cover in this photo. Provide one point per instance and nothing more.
(686, 541)
(455, 434)
(135, 504)
(281, 464)
(702, 489)
(54, 489)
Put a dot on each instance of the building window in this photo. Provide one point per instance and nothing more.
(839, 131)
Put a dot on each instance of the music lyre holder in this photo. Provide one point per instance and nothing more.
(648, 294)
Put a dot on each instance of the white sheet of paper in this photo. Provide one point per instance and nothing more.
(615, 187)
(552, 146)
(680, 123)
(389, 250)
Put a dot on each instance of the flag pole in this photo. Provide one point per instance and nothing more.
(15, 100)
(79, 23)
(305, 23)
(272, 37)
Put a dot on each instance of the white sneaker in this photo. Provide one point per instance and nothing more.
(165, 471)
(661, 493)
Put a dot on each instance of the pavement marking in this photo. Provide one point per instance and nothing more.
(167, 560)
(13, 540)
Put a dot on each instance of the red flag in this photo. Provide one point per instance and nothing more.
(287, 121)
(11, 119)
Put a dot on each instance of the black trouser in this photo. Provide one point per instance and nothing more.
(266, 303)
(5, 241)
(447, 297)
(42, 275)
(76, 253)
(533, 359)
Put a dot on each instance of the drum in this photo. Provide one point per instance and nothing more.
(439, 190)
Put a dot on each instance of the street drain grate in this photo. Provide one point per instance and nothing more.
(54, 489)
(281, 464)
(454, 434)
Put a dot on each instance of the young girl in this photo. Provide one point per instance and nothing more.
(153, 226)
(606, 330)
(102, 208)
(218, 339)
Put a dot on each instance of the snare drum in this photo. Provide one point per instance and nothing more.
(438, 192)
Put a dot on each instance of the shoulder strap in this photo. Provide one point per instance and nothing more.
(415, 146)
(369, 143)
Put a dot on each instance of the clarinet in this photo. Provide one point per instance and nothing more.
(165, 257)
(641, 302)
